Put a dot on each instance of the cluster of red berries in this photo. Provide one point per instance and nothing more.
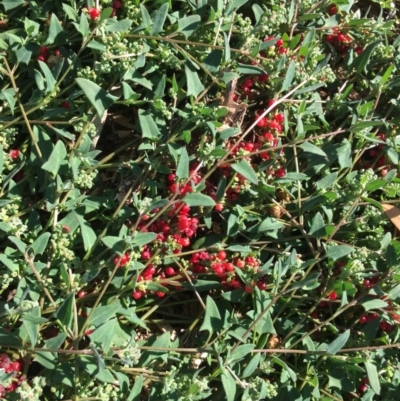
(9, 366)
(279, 46)
(341, 41)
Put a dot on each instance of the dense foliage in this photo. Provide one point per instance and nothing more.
(196, 200)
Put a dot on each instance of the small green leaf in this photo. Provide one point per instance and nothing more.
(338, 251)
(18, 243)
(104, 313)
(40, 244)
(310, 148)
(148, 126)
(338, 343)
(212, 317)
(270, 223)
(83, 27)
(65, 311)
(244, 169)
(115, 243)
(194, 85)
(57, 156)
(317, 229)
(141, 239)
(134, 394)
(229, 385)
(360, 63)
(11, 4)
(88, 235)
(240, 352)
(56, 33)
(72, 14)
(289, 76)
(9, 339)
(187, 25)
(100, 99)
(373, 377)
(182, 169)
(159, 19)
(373, 304)
(196, 199)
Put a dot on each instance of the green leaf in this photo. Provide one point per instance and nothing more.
(270, 223)
(104, 313)
(148, 126)
(338, 251)
(229, 385)
(281, 363)
(182, 169)
(187, 25)
(141, 239)
(115, 243)
(40, 244)
(146, 20)
(252, 365)
(113, 25)
(56, 33)
(31, 322)
(134, 395)
(161, 342)
(244, 169)
(338, 343)
(72, 14)
(195, 199)
(370, 304)
(360, 63)
(194, 85)
(227, 52)
(240, 352)
(18, 243)
(11, 4)
(317, 229)
(100, 99)
(212, 317)
(249, 69)
(88, 235)
(49, 359)
(83, 27)
(57, 156)
(64, 313)
(374, 185)
(289, 76)
(327, 181)
(373, 377)
(9, 339)
(159, 19)
(310, 148)
(103, 335)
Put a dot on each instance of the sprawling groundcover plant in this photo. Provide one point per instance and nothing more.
(198, 200)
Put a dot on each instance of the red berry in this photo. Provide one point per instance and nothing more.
(262, 286)
(341, 37)
(81, 294)
(332, 10)
(14, 154)
(279, 43)
(42, 58)
(57, 52)
(137, 294)
(219, 207)
(65, 105)
(221, 255)
(281, 172)
(262, 123)
(44, 50)
(94, 13)
(66, 229)
(248, 289)
(279, 118)
(363, 388)
(170, 271)
(160, 294)
(384, 172)
(229, 267)
(117, 4)
(332, 296)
